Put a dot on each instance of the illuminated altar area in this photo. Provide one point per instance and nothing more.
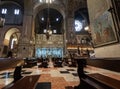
(49, 52)
(49, 48)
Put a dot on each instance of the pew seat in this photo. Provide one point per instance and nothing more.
(27, 82)
(17, 63)
(7, 63)
(99, 81)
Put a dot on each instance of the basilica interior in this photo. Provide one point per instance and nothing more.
(59, 44)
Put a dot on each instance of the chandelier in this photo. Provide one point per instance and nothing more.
(48, 26)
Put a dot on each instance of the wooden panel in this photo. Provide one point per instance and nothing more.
(106, 63)
(7, 63)
(28, 82)
(115, 84)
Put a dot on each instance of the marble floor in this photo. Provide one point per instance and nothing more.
(59, 77)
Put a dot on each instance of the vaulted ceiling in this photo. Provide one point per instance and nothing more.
(55, 19)
(80, 9)
(20, 2)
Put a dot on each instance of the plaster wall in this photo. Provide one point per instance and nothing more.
(108, 51)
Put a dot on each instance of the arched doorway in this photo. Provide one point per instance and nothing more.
(11, 40)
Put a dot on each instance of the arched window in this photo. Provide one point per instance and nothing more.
(13, 42)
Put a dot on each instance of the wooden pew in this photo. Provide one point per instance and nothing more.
(110, 82)
(99, 81)
(81, 61)
(7, 63)
(27, 82)
(94, 81)
(105, 63)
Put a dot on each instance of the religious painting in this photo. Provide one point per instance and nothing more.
(104, 30)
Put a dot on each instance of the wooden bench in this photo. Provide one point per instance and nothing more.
(27, 82)
(99, 81)
(96, 81)
(7, 63)
(105, 63)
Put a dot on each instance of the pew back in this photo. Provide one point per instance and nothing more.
(7, 63)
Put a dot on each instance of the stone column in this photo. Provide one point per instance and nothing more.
(64, 37)
(70, 22)
(1, 41)
(25, 39)
(2, 34)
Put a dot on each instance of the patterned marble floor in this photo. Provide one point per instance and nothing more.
(60, 78)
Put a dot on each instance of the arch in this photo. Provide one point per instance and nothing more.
(12, 2)
(40, 7)
(52, 15)
(9, 33)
